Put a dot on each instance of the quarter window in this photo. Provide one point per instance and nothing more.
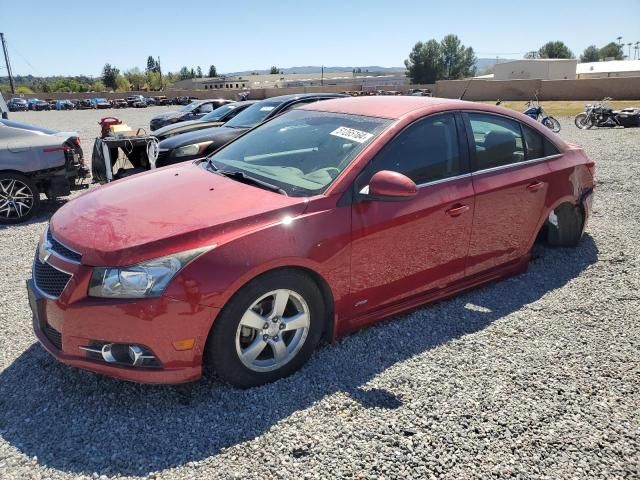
(498, 140)
(426, 151)
(534, 144)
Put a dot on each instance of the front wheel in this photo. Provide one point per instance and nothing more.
(552, 124)
(19, 198)
(582, 121)
(268, 330)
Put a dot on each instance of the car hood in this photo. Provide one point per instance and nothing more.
(223, 134)
(183, 127)
(168, 115)
(165, 211)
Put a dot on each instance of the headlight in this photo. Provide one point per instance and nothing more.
(147, 279)
(190, 150)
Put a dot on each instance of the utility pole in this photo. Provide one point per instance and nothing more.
(6, 59)
(160, 72)
(322, 76)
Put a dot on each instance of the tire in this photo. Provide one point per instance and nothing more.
(552, 124)
(229, 339)
(565, 230)
(582, 121)
(19, 198)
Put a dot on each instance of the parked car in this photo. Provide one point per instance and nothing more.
(100, 103)
(119, 103)
(84, 104)
(193, 111)
(161, 100)
(37, 104)
(150, 101)
(63, 105)
(320, 221)
(217, 118)
(192, 145)
(136, 101)
(36, 160)
(18, 105)
(183, 100)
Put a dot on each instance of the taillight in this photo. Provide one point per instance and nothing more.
(591, 165)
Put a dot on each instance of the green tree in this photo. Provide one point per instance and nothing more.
(555, 49)
(184, 73)
(109, 75)
(212, 71)
(274, 70)
(611, 50)
(192, 73)
(153, 81)
(66, 85)
(458, 61)
(136, 78)
(23, 90)
(98, 86)
(590, 54)
(122, 84)
(425, 63)
(151, 64)
(199, 72)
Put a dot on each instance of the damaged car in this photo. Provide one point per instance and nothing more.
(35, 160)
(193, 111)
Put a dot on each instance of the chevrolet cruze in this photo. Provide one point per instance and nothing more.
(322, 220)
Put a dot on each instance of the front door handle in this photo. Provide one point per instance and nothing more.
(457, 210)
(535, 186)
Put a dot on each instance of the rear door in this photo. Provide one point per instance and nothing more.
(404, 248)
(510, 180)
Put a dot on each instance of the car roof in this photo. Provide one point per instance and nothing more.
(392, 107)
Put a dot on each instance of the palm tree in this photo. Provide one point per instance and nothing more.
(629, 45)
(619, 40)
(637, 50)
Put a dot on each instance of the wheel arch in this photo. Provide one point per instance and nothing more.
(545, 220)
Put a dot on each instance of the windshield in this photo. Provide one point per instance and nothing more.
(302, 151)
(253, 115)
(218, 113)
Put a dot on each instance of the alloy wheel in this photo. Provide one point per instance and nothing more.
(16, 199)
(272, 330)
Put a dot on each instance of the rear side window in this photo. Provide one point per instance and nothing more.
(534, 143)
(498, 140)
(426, 151)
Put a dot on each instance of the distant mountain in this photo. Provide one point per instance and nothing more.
(318, 69)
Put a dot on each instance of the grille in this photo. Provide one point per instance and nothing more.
(53, 335)
(61, 249)
(48, 279)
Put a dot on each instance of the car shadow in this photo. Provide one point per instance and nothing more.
(82, 423)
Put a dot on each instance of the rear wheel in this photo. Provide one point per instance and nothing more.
(552, 124)
(268, 330)
(582, 121)
(565, 226)
(19, 198)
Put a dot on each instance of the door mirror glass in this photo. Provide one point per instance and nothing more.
(390, 186)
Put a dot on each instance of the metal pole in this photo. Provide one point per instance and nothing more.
(322, 76)
(160, 72)
(6, 59)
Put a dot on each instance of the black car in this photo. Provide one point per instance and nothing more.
(193, 111)
(217, 118)
(198, 144)
(18, 105)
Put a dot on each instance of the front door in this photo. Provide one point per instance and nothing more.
(401, 249)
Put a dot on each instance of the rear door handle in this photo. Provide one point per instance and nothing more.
(535, 186)
(457, 210)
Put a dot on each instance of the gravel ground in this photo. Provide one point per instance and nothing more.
(536, 376)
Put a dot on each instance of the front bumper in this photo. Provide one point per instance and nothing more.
(62, 328)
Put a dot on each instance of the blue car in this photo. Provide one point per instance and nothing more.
(37, 104)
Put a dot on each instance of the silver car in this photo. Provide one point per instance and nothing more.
(35, 160)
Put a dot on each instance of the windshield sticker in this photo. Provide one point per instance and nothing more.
(352, 134)
(266, 109)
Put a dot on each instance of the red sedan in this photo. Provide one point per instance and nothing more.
(321, 221)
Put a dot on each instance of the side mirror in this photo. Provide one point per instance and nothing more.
(390, 187)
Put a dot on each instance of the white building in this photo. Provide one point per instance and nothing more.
(613, 68)
(538, 69)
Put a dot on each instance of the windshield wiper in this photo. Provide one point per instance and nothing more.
(243, 177)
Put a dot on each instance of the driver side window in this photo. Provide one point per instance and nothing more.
(426, 151)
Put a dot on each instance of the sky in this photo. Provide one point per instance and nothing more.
(78, 37)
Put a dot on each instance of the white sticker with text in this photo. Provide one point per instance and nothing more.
(266, 109)
(352, 134)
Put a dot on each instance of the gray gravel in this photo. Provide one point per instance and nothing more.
(536, 376)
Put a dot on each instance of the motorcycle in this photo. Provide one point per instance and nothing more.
(601, 115)
(535, 111)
